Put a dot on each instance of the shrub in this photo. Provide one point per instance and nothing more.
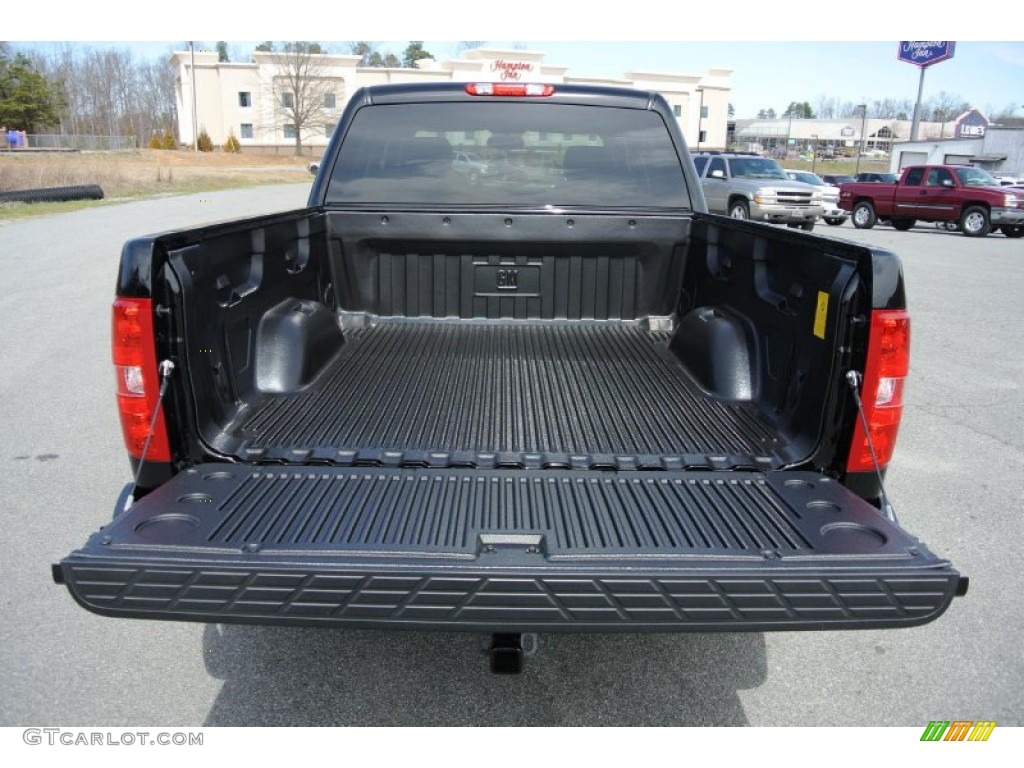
(205, 142)
(232, 144)
(169, 141)
(156, 142)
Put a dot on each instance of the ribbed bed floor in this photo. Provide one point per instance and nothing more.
(442, 394)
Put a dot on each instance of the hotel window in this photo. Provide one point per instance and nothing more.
(244, 99)
(287, 100)
(246, 131)
(329, 101)
(289, 131)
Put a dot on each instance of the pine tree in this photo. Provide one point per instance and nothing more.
(205, 142)
(414, 52)
(28, 101)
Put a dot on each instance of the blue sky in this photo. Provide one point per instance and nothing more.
(771, 69)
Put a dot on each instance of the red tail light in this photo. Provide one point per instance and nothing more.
(882, 394)
(509, 89)
(138, 386)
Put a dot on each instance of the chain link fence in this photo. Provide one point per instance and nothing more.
(79, 141)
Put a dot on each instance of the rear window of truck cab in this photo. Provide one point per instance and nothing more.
(914, 177)
(523, 153)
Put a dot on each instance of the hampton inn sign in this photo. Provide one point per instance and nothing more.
(512, 70)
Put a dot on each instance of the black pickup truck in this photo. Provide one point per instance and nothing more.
(558, 397)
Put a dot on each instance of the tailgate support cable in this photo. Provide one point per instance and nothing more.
(854, 379)
(166, 367)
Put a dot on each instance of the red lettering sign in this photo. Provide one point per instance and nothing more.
(511, 70)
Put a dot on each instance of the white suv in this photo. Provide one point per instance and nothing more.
(832, 214)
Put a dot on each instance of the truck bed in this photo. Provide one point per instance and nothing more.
(319, 338)
(505, 394)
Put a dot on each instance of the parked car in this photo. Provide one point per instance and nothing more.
(752, 187)
(954, 195)
(879, 178)
(831, 212)
(470, 165)
(837, 179)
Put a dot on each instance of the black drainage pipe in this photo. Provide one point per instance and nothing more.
(53, 194)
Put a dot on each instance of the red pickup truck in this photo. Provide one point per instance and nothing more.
(967, 198)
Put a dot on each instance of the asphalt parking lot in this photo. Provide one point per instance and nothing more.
(957, 481)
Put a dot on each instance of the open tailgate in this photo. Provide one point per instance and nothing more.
(509, 550)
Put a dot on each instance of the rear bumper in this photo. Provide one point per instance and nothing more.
(509, 551)
(831, 210)
(596, 598)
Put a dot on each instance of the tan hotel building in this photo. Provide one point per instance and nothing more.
(243, 98)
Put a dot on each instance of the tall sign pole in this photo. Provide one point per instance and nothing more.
(917, 107)
(923, 53)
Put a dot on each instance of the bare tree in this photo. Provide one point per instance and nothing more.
(997, 115)
(883, 109)
(109, 92)
(302, 90)
(847, 109)
(945, 107)
(828, 107)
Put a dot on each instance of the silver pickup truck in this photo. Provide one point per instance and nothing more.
(754, 187)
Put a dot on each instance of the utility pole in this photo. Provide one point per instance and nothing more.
(700, 117)
(863, 128)
(789, 132)
(195, 117)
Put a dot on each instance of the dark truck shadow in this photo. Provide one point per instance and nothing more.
(313, 677)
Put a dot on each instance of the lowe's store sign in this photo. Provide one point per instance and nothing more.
(924, 53)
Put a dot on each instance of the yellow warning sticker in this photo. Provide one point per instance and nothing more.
(821, 315)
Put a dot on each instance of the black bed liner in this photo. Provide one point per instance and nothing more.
(513, 395)
(518, 550)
